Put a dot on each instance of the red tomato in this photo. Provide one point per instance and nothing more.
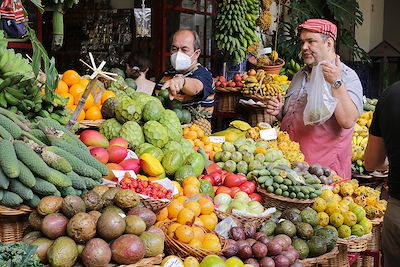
(223, 189)
(255, 197)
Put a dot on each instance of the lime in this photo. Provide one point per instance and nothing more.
(212, 261)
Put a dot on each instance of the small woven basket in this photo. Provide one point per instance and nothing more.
(341, 259)
(182, 250)
(322, 260)
(226, 100)
(256, 221)
(13, 223)
(356, 244)
(282, 203)
(154, 204)
(375, 243)
(146, 262)
(86, 124)
(256, 115)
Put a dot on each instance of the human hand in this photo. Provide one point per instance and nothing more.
(174, 86)
(274, 105)
(332, 72)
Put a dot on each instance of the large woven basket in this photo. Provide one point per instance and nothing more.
(282, 203)
(227, 101)
(154, 204)
(256, 115)
(341, 259)
(322, 260)
(356, 244)
(13, 223)
(146, 262)
(375, 243)
(182, 250)
(256, 221)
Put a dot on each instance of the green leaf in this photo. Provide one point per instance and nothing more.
(346, 12)
(38, 4)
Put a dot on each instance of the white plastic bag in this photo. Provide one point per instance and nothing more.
(320, 102)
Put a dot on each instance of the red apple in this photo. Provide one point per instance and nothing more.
(117, 154)
(222, 79)
(224, 84)
(119, 141)
(218, 84)
(232, 84)
(131, 164)
(93, 138)
(239, 84)
(237, 78)
(100, 154)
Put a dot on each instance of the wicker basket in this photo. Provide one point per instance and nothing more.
(375, 243)
(154, 204)
(13, 223)
(322, 260)
(256, 221)
(282, 203)
(356, 244)
(146, 262)
(256, 115)
(227, 101)
(86, 124)
(182, 250)
(341, 260)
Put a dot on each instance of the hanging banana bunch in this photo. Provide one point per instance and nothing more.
(265, 19)
(236, 22)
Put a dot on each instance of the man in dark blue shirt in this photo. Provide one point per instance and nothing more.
(189, 82)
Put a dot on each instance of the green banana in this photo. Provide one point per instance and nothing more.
(12, 100)
(3, 101)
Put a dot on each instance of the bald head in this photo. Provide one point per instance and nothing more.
(189, 36)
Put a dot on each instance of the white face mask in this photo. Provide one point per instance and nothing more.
(180, 61)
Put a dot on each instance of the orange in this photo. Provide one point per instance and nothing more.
(171, 229)
(190, 190)
(62, 87)
(195, 207)
(76, 89)
(71, 77)
(186, 216)
(198, 233)
(207, 206)
(186, 130)
(70, 99)
(89, 102)
(190, 180)
(84, 82)
(184, 233)
(77, 98)
(81, 116)
(174, 208)
(162, 215)
(106, 95)
(72, 108)
(195, 243)
(208, 221)
(191, 135)
(93, 114)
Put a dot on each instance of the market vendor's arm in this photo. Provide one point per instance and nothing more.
(346, 112)
(185, 85)
(375, 154)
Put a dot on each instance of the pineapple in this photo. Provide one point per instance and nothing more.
(199, 118)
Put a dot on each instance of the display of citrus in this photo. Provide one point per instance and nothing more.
(76, 89)
(62, 87)
(93, 113)
(106, 95)
(84, 82)
(195, 243)
(89, 102)
(71, 77)
(206, 205)
(184, 233)
(181, 199)
(70, 99)
(194, 206)
(185, 216)
(172, 228)
(174, 208)
(211, 244)
(198, 233)
(208, 221)
(190, 190)
(190, 180)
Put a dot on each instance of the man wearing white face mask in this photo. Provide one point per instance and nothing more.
(189, 82)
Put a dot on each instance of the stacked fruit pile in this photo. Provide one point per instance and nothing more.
(360, 140)
(260, 83)
(290, 149)
(43, 158)
(235, 27)
(72, 229)
(308, 238)
(365, 196)
(342, 214)
(235, 82)
(196, 137)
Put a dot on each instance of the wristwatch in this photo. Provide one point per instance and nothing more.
(336, 84)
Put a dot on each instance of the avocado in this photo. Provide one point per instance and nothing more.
(329, 235)
(304, 230)
(292, 215)
(286, 227)
(301, 246)
(317, 246)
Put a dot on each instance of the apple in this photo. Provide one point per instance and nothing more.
(237, 78)
(222, 79)
(100, 154)
(218, 84)
(232, 84)
(239, 84)
(119, 141)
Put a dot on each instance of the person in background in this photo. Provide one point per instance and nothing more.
(383, 152)
(328, 144)
(136, 68)
(188, 82)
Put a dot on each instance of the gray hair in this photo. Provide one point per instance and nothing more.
(196, 37)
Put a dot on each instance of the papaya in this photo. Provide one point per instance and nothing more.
(151, 165)
(171, 161)
(183, 172)
(196, 160)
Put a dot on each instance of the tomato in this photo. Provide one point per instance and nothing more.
(255, 197)
(234, 190)
(248, 187)
(223, 189)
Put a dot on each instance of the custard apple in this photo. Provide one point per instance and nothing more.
(171, 146)
(169, 116)
(132, 132)
(174, 133)
(110, 128)
(155, 133)
(187, 147)
(128, 110)
(142, 147)
(152, 111)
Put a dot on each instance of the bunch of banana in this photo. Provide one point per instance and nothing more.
(235, 27)
(291, 68)
(264, 84)
(365, 120)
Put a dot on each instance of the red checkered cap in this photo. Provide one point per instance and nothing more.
(321, 26)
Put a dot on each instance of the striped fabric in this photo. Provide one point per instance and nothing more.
(321, 26)
(12, 9)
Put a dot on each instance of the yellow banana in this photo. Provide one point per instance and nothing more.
(251, 79)
(274, 56)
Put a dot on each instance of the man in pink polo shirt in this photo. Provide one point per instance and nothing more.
(328, 144)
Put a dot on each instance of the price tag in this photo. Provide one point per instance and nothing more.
(217, 139)
(266, 50)
(131, 155)
(268, 134)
